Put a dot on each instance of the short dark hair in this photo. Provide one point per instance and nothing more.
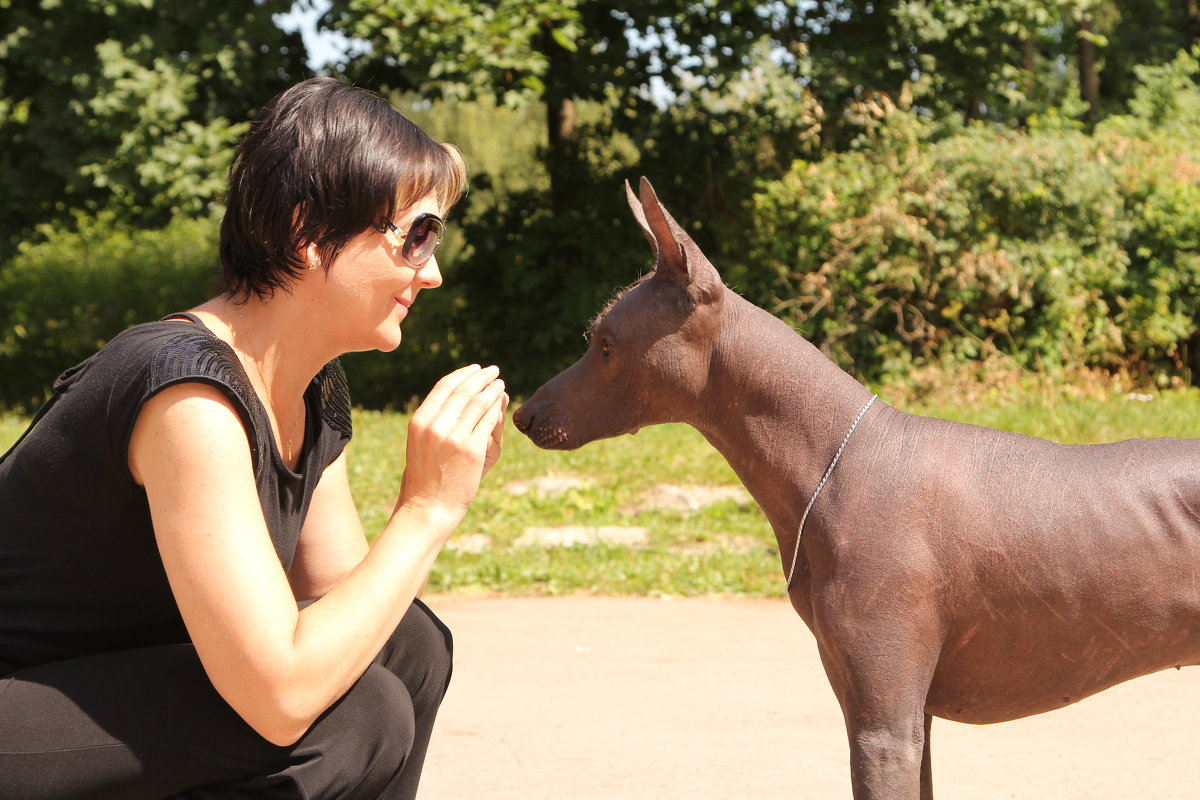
(322, 162)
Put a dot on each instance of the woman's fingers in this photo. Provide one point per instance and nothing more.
(477, 415)
(496, 438)
(451, 399)
(445, 389)
(451, 436)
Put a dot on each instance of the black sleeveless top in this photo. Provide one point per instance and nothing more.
(79, 566)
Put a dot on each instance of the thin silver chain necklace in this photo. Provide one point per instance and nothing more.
(800, 529)
(262, 381)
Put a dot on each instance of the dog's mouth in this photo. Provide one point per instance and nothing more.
(544, 425)
(544, 432)
(549, 437)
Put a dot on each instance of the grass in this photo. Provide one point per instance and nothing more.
(726, 547)
(683, 553)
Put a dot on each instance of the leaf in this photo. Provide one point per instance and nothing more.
(563, 41)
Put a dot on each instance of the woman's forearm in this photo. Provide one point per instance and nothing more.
(336, 637)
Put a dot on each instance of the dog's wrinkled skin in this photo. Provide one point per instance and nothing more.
(946, 570)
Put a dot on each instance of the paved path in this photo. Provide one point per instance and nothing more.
(582, 698)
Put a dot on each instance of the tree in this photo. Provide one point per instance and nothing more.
(978, 58)
(706, 98)
(558, 52)
(1134, 33)
(129, 105)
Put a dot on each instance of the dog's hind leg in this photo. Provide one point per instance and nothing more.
(927, 763)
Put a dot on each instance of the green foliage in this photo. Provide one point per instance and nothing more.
(63, 298)
(925, 240)
(538, 274)
(706, 99)
(1165, 104)
(1139, 34)
(129, 105)
(1053, 247)
(520, 51)
(459, 50)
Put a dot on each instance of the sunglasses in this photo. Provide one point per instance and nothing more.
(421, 239)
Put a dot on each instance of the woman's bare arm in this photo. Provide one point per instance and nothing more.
(332, 542)
(277, 666)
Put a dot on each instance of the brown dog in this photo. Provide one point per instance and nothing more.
(945, 569)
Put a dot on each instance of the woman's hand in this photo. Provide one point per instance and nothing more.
(496, 443)
(454, 438)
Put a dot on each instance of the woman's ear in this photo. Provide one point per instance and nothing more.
(312, 256)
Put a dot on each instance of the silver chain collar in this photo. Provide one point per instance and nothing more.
(800, 530)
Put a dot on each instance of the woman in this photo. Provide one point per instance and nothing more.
(188, 606)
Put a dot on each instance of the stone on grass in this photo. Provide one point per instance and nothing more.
(692, 498)
(546, 485)
(569, 535)
(469, 543)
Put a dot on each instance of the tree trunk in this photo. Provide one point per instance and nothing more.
(560, 114)
(1089, 78)
(1029, 64)
(974, 104)
(560, 121)
(1191, 19)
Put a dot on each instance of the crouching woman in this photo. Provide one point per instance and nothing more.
(188, 604)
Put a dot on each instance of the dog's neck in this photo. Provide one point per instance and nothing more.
(776, 408)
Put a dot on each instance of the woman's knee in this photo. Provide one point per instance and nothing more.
(360, 744)
(421, 653)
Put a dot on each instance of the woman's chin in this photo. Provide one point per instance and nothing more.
(391, 343)
(383, 342)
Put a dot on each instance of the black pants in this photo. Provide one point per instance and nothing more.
(147, 723)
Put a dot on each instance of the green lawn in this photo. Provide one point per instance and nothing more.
(726, 547)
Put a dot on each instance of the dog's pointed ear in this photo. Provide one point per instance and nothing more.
(676, 257)
(671, 254)
(635, 206)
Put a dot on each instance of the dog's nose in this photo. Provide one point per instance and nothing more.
(523, 418)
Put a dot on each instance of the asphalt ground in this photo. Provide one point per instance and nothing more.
(583, 698)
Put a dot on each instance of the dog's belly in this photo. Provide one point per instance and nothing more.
(984, 678)
(1095, 581)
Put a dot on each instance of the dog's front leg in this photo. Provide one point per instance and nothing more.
(886, 755)
(881, 678)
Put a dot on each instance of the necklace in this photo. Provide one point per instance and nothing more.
(258, 371)
(800, 529)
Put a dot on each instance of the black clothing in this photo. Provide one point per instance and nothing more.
(101, 693)
(79, 566)
(145, 724)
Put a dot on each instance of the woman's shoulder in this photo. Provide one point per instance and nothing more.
(142, 361)
(335, 398)
(155, 355)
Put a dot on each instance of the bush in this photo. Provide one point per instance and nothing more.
(65, 297)
(62, 299)
(1052, 246)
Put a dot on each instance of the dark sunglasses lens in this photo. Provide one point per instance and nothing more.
(423, 239)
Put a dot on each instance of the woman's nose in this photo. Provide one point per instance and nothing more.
(429, 275)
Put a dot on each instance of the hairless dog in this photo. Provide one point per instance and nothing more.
(945, 569)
